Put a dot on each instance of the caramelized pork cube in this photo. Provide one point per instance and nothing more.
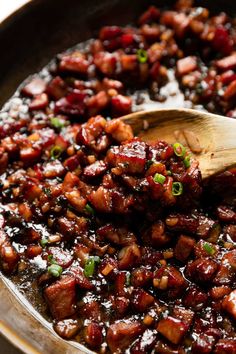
(121, 334)
(121, 105)
(229, 304)
(184, 248)
(8, 257)
(93, 335)
(119, 130)
(96, 169)
(141, 300)
(186, 65)
(227, 63)
(61, 297)
(75, 62)
(131, 157)
(195, 298)
(225, 346)
(105, 62)
(129, 256)
(117, 235)
(35, 87)
(173, 329)
(226, 271)
(202, 269)
(67, 328)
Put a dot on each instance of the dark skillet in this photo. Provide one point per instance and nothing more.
(28, 40)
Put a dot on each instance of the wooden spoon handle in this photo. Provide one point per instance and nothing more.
(211, 138)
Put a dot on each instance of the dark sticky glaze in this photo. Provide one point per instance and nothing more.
(116, 241)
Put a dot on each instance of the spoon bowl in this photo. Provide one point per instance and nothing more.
(210, 138)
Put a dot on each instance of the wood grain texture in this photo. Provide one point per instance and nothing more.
(216, 135)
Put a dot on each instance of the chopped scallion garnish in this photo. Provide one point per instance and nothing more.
(209, 249)
(56, 152)
(177, 188)
(57, 123)
(89, 209)
(128, 279)
(90, 265)
(142, 56)
(51, 259)
(44, 242)
(159, 178)
(179, 150)
(55, 270)
(187, 161)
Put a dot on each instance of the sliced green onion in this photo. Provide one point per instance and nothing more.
(56, 152)
(44, 242)
(179, 150)
(89, 209)
(169, 173)
(209, 249)
(90, 265)
(187, 161)
(51, 259)
(142, 56)
(158, 178)
(177, 188)
(55, 270)
(57, 123)
(128, 279)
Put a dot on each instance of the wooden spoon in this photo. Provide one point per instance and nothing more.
(210, 138)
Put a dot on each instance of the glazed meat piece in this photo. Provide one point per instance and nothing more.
(61, 297)
(184, 248)
(202, 269)
(172, 329)
(8, 255)
(67, 329)
(198, 225)
(131, 158)
(93, 335)
(229, 303)
(225, 346)
(121, 334)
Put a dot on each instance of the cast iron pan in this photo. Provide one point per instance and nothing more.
(28, 40)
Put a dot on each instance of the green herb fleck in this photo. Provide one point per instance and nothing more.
(159, 178)
(169, 173)
(187, 161)
(177, 188)
(90, 265)
(51, 259)
(89, 209)
(57, 123)
(142, 56)
(56, 152)
(209, 249)
(44, 242)
(55, 270)
(179, 150)
(128, 279)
